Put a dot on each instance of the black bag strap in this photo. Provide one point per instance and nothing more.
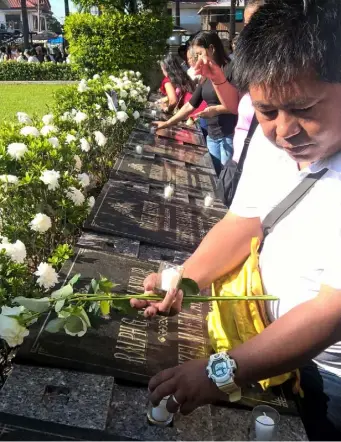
(252, 129)
(287, 205)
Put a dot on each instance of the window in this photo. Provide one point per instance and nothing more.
(35, 22)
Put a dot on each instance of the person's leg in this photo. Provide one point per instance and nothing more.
(215, 151)
(226, 149)
(320, 409)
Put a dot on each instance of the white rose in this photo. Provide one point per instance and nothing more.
(131, 72)
(11, 331)
(122, 116)
(47, 276)
(47, 119)
(136, 115)
(84, 179)
(101, 140)
(91, 202)
(82, 87)
(133, 93)
(16, 251)
(53, 141)
(9, 179)
(80, 117)
(85, 145)
(113, 121)
(78, 162)
(41, 223)
(138, 74)
(70, 138)
(30, 131)
(23, 118)
(16, 150)
(46, 130)
(75, 196)
(50, 178)
(97, 107)
(12, 311)
(96, 77)
(140, 99)
(66, 116)
(112, 78)
(125, 78)
(123, 93)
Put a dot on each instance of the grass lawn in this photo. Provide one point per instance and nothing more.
(29, 98)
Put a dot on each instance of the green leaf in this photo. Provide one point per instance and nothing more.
(105, 308)
(189, 287)
(82, 313)
(105, 285)
(94, 285)
(34, 305)
(124, 308)
(67, 290)
(55, 325)
(59, 305)
(74, 279)
(75, 326)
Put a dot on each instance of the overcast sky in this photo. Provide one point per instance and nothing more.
(58, 8)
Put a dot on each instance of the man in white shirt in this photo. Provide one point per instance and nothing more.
(288, 59)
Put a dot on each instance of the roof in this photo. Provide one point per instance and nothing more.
(16, 4)
(220, 5)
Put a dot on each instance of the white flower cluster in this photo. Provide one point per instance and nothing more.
(15, 251)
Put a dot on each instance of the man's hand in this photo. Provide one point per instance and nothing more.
(209, 69)
(170, 305)
(188, 384)
(209, 112)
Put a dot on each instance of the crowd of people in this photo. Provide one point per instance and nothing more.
(285, 74)
(36, 54)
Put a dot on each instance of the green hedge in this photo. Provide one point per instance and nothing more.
(14, 71)
(116, 41)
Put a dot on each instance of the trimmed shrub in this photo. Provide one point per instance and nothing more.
(14, 71)
(116, 41)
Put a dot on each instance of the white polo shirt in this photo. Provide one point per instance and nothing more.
(304, 249)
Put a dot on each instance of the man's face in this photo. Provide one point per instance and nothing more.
(303, 119)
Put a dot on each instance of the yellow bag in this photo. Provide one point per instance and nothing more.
(235, 322)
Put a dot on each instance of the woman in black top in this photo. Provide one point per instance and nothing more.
(221, 120)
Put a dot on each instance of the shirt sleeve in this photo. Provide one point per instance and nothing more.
(331, 275)
(196, 99)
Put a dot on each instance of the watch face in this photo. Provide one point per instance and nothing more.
(221, 369)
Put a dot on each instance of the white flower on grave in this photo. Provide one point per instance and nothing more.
(47, 276)
(113, 78)
(91, 202)
(136, 115)
(53, 141)
(80, 117)
(50, 178)
(123, 93)
(16, 251)
(122, 105)
(84, 179)
(73, 112)
(47, 119)
(140, 99)
(125, 78)
(107, 87)
(66, 116)
(12, 311)
(85, 145)
(138, 74)
(97, 106)
(148, 89)
(41, 223)
(96, 77)
(78, 162)
(75, 195)
(47, 130)
(131, 72)
(113, 121)
(100, 139)
(83, 86)
(23, 118)
(30, 131)
(133, 93)
(122, 116)
(70, 138)
(9, 179)
(16, 150)
(11, 331)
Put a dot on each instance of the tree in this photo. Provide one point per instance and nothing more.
(67, 8)
(54, 25)
(125, 6)
(25, 23)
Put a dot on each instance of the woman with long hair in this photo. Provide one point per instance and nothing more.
(221, 118)
(176, 84)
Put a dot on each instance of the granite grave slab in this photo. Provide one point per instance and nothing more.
(128, 347)
(182, 135)
(121, 210)
(187, 178)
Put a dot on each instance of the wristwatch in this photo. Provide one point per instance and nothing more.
(220, 370)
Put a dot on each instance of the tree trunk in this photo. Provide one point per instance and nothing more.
(67, 8)
(25, 23)
(232, 20)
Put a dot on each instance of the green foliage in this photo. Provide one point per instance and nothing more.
(14, 71)
(116, 41)
(127, 6)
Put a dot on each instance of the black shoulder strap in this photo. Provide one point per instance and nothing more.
(253, 127)
(290, 202)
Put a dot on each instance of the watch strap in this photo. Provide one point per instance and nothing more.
(232, 390)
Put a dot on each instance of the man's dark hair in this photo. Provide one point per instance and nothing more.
(207, 38)
(285, 41)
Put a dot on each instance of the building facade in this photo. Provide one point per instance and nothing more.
(38, 12)
(189, 18)
(215, 16)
